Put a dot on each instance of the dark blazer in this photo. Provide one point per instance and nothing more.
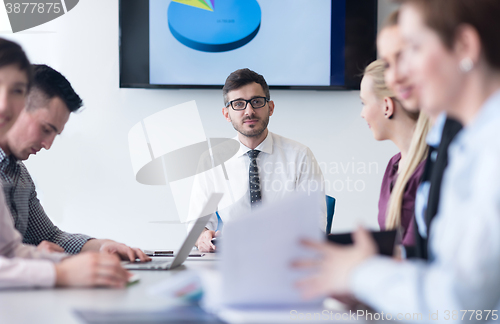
(433, 172)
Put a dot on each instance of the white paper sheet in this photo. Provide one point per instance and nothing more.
(256, 261)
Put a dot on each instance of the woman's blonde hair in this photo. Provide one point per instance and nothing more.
(376, 71)
(418, 146)
(416, 154)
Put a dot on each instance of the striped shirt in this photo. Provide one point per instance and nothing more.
(28, 214)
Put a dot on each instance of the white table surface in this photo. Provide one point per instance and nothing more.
(57, 306)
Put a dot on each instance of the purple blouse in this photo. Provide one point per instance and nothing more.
(408, 207)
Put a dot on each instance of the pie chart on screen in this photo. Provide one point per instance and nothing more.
(214, 25)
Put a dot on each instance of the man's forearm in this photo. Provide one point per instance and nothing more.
(93, 245)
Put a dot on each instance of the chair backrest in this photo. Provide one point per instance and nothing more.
(219, 222)
(330, 210)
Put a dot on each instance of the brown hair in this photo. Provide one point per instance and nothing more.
(391, 20)
(446, 16)
(242, 77)
(12, 54)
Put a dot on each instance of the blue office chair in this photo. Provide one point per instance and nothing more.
(220, 223)
(330, 210)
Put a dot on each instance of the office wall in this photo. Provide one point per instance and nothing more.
(86, 182)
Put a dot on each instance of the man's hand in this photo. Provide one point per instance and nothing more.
(123, 251)
(91, 269)
(46, 246)
(204, 242)
(336, 265)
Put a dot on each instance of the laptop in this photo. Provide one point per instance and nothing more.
(188, 244)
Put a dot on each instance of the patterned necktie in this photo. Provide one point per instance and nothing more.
(253, 178)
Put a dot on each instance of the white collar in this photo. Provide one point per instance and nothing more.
(266, 146)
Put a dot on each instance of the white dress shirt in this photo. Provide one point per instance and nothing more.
(285, 166)
(464, 239)
(22, 265)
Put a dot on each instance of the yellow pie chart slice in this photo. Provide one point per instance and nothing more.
(195, 3)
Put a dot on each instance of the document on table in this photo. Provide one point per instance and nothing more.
(256, 260)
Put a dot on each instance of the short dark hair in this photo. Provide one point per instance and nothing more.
(53, 84)
(12, 54)
(242, 77)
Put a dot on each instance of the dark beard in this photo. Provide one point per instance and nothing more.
(255, 131)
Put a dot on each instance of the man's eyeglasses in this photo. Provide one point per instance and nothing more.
(241, 104)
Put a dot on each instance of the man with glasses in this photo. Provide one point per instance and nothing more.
(266, 167)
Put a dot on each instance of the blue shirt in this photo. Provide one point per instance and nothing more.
(464, 240)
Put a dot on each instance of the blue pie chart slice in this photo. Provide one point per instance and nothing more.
(232, 24)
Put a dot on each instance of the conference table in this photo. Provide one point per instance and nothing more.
(60, 305)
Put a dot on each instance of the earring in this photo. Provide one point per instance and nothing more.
(466, 65)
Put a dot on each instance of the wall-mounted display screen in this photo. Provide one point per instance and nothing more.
(295, 44)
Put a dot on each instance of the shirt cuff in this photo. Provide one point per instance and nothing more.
(43, 274)
(17, 273)
(73, 243)
(365, 277)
